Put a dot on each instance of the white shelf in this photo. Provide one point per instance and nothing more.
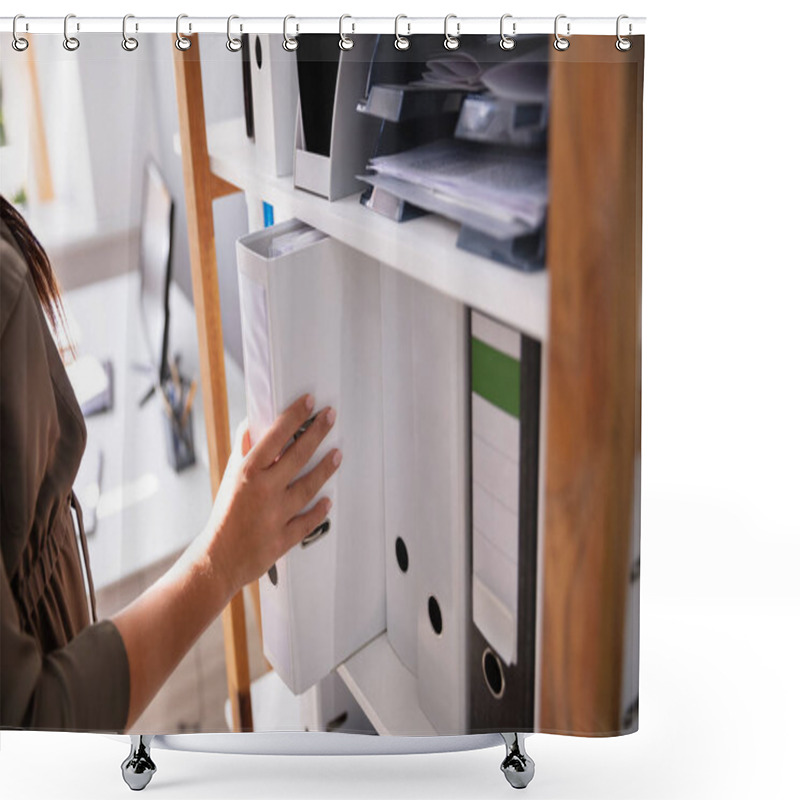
(424, 248)
(385, 689)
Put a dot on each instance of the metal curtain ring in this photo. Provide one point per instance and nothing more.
(451, 42)
(70, 42)
(289, 42)
(401, 42)
(623, 44)
(506, 41)
(129, 43)
(560, 42)
(20, 44)
(345, 42)
(233, 44)
(181, 42)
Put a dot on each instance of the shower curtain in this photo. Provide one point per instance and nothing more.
(443, 244)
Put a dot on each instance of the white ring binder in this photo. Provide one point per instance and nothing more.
(233, 44)
(345, 42)
(451, 42)
(181, 42)
(507, 42)
(622, 44)
(20, 44)
(289, 42)
(401, 42)
(70, 42)
(129, 43)
(560, 42)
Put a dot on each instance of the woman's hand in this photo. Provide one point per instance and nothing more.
(258, 512)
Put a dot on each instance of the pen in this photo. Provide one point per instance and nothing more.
(176, 382)
(189, 400)
(170, 409)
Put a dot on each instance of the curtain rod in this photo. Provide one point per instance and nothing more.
(461, 26)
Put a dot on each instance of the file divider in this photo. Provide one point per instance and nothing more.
(332, 140)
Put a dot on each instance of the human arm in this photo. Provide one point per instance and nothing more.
(258, 515)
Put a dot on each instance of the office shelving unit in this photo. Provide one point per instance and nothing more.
(584, 309)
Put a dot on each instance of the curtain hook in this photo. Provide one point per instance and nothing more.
(181, 42)
(233, 44)
(451, 42)
(129, 43)
(560, 42)
(289, 42)
(70, 42)
(345, 42)
(623, 44)
(401, 42)
(507, 42)
(20, 44)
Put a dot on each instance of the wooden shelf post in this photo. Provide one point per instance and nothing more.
(38, 136)
(593, 407)
(200, 188)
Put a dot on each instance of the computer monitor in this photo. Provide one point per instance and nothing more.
(155, 267)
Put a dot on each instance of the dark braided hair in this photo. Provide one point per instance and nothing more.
(44, 278)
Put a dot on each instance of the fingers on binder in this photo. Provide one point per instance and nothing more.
(426, 483)
(311, 323)
(505, 398)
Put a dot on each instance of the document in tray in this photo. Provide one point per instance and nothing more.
(296, 239)
(523, 80)
(489, 220)
(493, 182)
(454, 70)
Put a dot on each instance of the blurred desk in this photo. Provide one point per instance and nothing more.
(146, 510)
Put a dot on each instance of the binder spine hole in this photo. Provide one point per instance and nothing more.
(336, 722)
(316, 534)
(401, 552)
(435, 614)
(493, 673)
(259, 53)
(272, 574)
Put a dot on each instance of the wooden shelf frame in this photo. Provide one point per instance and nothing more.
(591, 323)
(201, 188)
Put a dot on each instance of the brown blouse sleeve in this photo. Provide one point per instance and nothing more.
(84, 686)
(82, 683)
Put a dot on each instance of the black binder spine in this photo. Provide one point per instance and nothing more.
(247, 82)
(501, 688)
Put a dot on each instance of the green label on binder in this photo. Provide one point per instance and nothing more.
(495, 377)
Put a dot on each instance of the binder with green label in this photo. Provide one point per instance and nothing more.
(505, 379)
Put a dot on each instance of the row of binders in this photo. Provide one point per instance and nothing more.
(459, 134)
(432, 535)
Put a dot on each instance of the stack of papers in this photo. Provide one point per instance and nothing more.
(454, 71)
(522, 79)
(501, 192)
(296, 239)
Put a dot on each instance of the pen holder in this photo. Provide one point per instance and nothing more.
(180, 440)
